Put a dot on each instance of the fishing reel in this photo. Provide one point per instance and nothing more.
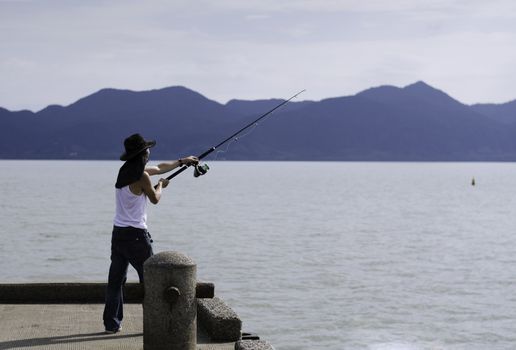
(200, 169)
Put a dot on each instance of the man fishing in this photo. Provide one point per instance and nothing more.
(131, 243)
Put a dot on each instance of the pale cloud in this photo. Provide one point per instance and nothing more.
(255, 17)
(59, 51)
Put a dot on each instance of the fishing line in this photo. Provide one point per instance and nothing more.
(202, 169)
(235, 139)
(241, 136)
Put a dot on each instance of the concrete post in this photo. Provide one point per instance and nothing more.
(169, 303)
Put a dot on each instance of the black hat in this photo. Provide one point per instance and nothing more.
(134, 145)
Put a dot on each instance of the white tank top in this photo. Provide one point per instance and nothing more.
(130, 209)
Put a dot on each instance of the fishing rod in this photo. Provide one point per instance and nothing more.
(202, 169)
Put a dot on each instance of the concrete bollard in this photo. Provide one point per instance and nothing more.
(169, 303)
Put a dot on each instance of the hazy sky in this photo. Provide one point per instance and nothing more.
(55, 52)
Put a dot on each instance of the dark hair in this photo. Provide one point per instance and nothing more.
(132, 170)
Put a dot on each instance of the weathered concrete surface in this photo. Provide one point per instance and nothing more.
(253, 345)
(45, 327)
(219, 320)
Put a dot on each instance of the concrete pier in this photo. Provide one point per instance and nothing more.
(69, 315)
(77, 326)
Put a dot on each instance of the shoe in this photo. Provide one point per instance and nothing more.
(113, 331)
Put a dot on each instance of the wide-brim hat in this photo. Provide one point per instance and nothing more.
(134, 145)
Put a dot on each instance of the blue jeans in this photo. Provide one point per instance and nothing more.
(129, 245)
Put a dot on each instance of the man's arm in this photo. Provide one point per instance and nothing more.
(162, 168)
(154, 194)
(168, 166)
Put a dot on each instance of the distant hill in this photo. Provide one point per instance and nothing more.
(504, 113)
(413, 123)
(259, 107)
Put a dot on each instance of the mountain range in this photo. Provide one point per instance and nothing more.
(387, 123)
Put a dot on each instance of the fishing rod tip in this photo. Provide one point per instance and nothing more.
(300, 92)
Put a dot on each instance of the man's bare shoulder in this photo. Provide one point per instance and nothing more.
(145, 181)
(139, 186)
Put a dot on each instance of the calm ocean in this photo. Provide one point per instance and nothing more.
(321, 255)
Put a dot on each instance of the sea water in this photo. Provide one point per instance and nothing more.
(311, 255)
